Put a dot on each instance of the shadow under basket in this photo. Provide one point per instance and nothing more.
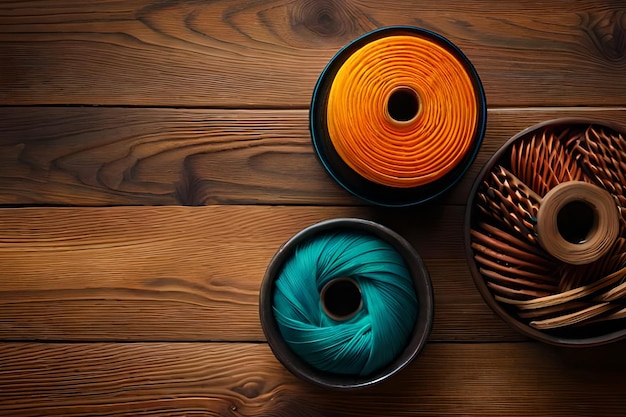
(523, 231)
(349, 179)
(297, 365)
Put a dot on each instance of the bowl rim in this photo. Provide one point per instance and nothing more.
(407, 196)
(421, 330)
(477, 277)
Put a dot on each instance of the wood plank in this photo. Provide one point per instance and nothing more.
(91, 156)
(183, 273)
(119, 156)
(180, 379)
(270, 53)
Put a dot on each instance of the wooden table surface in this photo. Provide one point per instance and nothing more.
(154, 154)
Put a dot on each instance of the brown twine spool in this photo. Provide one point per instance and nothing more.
(577, 222)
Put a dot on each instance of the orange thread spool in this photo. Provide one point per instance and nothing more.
(402, 111)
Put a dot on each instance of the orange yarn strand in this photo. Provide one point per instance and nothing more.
(402, 111)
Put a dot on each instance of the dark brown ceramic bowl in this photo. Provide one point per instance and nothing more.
(298, 366)
(590, 335)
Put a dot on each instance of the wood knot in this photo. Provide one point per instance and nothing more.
(250, 389)
(607, 33)
(328, 19)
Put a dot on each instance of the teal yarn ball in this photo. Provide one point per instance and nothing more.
(376, 334)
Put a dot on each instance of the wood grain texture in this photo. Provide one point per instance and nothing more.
(116, 307)
(154, 379)
(269, 53)
(88, 156)
(118, 156)
(176, 273)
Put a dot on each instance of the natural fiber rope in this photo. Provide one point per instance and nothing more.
(602, 232)
(394, 152)
(542, 161)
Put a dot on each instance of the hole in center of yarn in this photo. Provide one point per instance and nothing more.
(403, 104)
(341, 298)
(575, 221)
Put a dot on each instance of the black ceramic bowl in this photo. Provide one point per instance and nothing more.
(299, 367)
(591, 335)
(353, 182)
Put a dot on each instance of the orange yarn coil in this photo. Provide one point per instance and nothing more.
(402, 111)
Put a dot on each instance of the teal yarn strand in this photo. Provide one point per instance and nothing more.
(373, 337)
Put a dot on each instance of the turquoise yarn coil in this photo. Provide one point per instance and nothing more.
(373, 337)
